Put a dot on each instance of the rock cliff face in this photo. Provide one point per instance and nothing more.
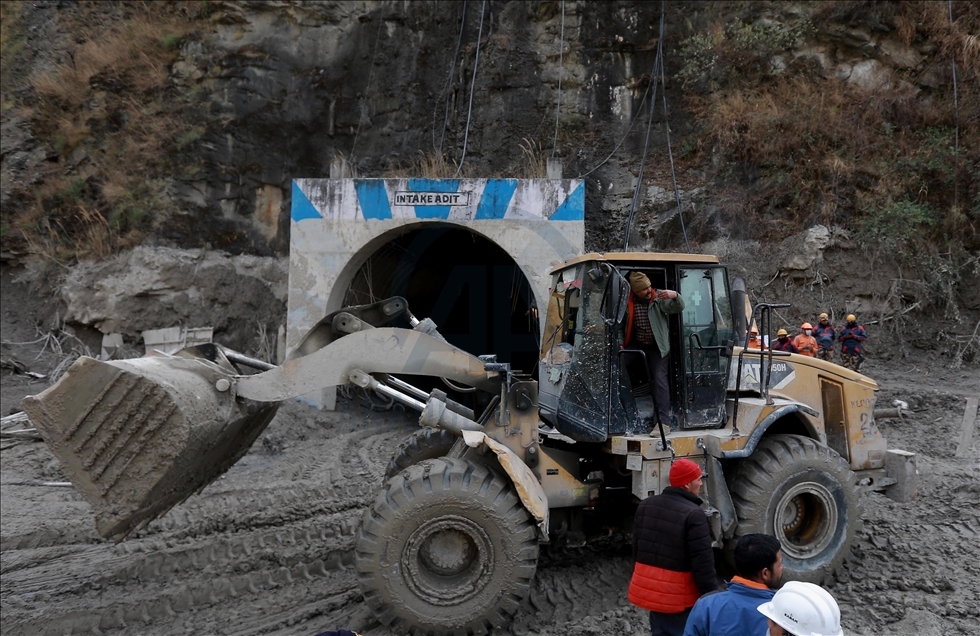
(259, 93)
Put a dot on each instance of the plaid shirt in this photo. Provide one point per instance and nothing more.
(643, 333)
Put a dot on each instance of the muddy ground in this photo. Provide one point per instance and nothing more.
(267, 549)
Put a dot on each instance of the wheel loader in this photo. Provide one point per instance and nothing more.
(787, 443)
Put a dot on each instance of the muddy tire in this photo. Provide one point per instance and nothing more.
(446, 548)
(426, 443)
(805, 495)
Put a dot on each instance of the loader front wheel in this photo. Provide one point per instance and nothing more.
(425, 443)
(446, 548)
(805, 495)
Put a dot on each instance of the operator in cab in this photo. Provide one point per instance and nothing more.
(647, 331)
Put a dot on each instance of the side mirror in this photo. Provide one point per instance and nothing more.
(624, 294)
(727, 345)
(614, 307)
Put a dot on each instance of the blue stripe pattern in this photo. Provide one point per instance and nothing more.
(573, 207)
(496, 197)
(495, 200)
(301, 208)
(373, 198)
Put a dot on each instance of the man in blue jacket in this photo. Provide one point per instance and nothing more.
(759, 564)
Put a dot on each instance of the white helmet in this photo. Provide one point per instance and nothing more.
(804, 609)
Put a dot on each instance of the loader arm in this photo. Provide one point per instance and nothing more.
(137, 437)
(383, 350)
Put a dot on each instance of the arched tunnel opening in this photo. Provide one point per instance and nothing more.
(474, 291)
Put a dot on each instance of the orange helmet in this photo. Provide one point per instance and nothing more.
(806, 325)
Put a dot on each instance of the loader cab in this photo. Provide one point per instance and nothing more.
(592, 388)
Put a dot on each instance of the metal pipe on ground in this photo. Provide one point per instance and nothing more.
(240, 358)
(889, 414)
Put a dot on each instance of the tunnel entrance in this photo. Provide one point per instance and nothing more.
(473, 290)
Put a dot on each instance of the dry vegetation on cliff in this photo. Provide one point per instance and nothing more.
(106, 112)
(795, 146)
(783, 138)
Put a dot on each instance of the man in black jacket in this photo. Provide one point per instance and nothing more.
(674, 564)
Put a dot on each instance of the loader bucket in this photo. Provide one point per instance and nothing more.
(137, 437)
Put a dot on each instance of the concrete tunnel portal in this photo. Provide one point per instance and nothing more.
(470, 287)
(474, 255)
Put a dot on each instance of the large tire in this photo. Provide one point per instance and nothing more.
(447, 548)
(425, 443)
(805, 495)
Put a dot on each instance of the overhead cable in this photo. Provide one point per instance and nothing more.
(956, 118)
(643, 101)
(561, 52)
(452, 73)
(367, 90)
(670, 155)
(469, 110)
(655, 77)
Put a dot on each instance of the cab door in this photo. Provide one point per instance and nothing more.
(707, 334)
(583, 382)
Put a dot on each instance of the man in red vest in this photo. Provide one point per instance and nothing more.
(673, 561)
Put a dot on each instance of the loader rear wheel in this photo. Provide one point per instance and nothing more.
(446, 548)
(423, 444)
(805, 495)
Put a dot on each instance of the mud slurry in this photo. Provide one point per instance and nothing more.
(268, 548)
(918, 559)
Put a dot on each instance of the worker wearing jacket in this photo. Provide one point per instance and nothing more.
(734, 612)
(783, 343)
(647, 331)
(852, 337)
(673, 560)
(825, 335)
(804, 342)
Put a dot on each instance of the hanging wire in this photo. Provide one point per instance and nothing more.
(636, 117)
(469, 110)
(367, 90)
(655, 75)
(561, 52)
(670, 155)
(452, 72)
(956, 119)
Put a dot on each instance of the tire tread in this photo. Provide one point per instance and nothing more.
(431, 477)
(755, 483)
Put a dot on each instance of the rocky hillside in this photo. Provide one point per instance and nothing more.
(182, 123)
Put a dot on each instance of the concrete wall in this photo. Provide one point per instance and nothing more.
(337, 224)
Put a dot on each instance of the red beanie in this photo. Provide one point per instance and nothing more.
(683, 472)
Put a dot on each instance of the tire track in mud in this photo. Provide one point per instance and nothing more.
(286, 549)
(568, 590)
(918, 555)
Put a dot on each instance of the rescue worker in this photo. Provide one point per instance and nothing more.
(647, 331)
(804, 342)
(852, 337)
(825, 335)
(674, 563)
(734, 612)
(754, 341)
(802, 609)
(783, 343)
